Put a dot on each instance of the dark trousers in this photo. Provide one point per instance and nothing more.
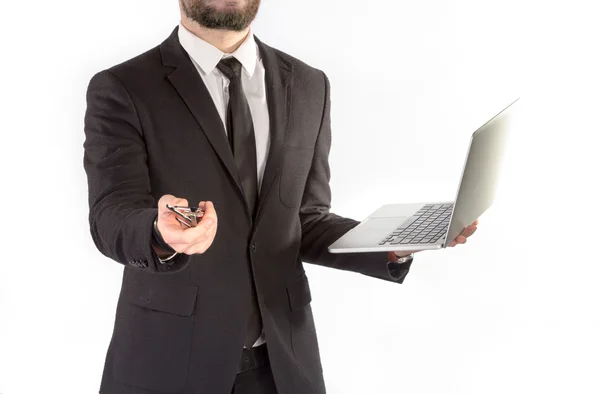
(255, 381)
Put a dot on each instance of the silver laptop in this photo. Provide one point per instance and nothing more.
(435, 225)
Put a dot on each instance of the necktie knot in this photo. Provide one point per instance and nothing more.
(230, 67)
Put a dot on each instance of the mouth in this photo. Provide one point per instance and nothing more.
(231, 4)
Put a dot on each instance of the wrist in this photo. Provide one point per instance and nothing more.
(402, 257)
(159, 243)
(161, 253)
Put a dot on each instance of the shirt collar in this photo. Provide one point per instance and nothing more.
(208, 56)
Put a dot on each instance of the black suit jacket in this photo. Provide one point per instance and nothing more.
(151, 129)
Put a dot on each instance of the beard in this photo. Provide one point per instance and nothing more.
(209, 16)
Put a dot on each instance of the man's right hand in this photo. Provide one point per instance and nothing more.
(188, 240)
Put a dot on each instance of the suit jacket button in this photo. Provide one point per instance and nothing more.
(254, 246)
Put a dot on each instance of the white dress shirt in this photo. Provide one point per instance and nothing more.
(205, 57)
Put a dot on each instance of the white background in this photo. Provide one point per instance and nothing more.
(515, 310)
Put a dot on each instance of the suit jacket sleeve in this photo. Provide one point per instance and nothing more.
(122, 210)
(320, 228)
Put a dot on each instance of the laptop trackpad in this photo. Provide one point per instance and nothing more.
(373, 230)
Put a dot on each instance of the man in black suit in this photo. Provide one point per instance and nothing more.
(217, 116)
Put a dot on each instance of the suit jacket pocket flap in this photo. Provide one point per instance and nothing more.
(153, 293)
(298, 292)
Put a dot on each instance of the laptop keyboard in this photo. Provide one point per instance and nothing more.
(427, 225)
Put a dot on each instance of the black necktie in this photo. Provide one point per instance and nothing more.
(243, 145)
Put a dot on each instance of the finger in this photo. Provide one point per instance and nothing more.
(211, 233)
(202, 231)
(476, 222)
(206, 240)
(461, 239)
(201, 247)
(181, 234)
(202, 207)
(452, 244)
(209, 211)
(403, 253)
(468, 231)
(198, 248)
(210, 215)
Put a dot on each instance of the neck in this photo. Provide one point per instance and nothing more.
(227, 41)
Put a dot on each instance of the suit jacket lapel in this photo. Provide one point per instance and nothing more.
(193, 91)
(278, 81)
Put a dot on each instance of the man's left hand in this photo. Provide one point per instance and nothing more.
(460, 239)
